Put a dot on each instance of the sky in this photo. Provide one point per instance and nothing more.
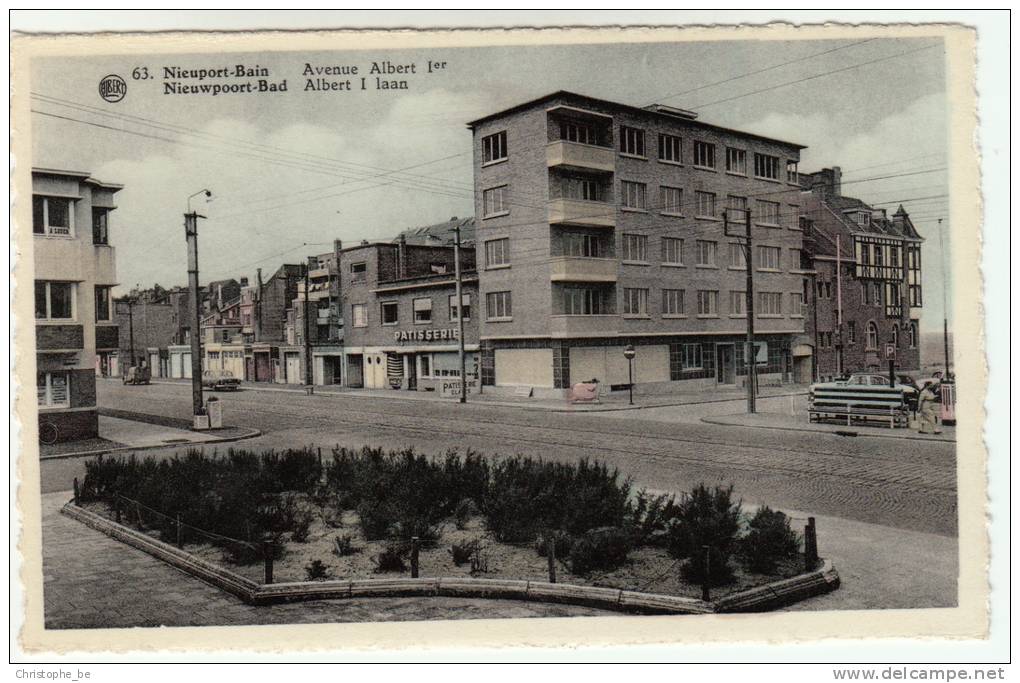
(290, 172)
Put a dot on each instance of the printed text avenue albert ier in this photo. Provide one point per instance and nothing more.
(318, 78)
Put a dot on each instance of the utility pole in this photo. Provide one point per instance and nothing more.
(750, 362)
(309, 387)
(945, 310)
(191, 232)
(839, 307)
(131, 330)
(460, 317)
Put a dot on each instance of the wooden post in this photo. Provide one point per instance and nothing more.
(706, 593)
(76, 492)
(550, 554)
(319, 449)
(138, 514)
(810, 545)
(267, 553)
(180, 536)
(414, 557)
(116, 509)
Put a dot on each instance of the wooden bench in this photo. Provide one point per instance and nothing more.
(859, 402)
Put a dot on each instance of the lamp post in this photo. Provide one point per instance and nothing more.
(629, 354)
(191, 234)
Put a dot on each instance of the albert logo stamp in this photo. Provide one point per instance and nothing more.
(112, 88)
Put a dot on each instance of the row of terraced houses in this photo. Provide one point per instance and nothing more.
(597, 226)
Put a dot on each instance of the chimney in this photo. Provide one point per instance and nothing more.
(402, 257)
(836, 181)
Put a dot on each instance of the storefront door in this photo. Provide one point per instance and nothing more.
(725, 372)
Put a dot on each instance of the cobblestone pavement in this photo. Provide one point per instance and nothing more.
(93, 581)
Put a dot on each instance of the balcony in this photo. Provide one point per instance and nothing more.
(580, 269)
(582, 213)
(583, 325)
(575, 156)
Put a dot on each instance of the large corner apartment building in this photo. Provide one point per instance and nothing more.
(75, 330)
(601, 225)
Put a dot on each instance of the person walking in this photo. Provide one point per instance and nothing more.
(926, 409)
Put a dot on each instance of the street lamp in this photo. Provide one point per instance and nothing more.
(629, 354)
(191, 234)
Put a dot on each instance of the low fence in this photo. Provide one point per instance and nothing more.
(818, 577)
(851, 401)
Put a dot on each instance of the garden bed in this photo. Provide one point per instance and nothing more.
(352, 515)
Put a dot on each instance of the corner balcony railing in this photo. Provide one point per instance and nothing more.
(581, 269)
(582, 213)
(580, 157)
(583, 325)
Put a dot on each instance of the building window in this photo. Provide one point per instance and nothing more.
(872, 340)
(103, 304)
(795, 259)
(585, 245)
(737, 206)
(736, 161)
(768, 212)
(635, 301)
(864, 218)
(497, 252)
(708, 302)
(851, 332)
(770, 303)
(494, 147)
(494, 202)
(633, 194)
(706, 253)
(54, 300)
(791, 172)
(670, 148)
(673, 302)
(768, 258)
(912, 335)
(465, 301)
(896, 335)
(498, 306)
(422, 310)
(793, 216)
(52, 216)
(704, 205)
(586, 301)
(100, 226)
(825, 340)
(738, 301)
(635, 247)
(894, 256)
(691, 357)
(704, 154)
(359, 315)
(671, 200)
(52, 390)
(572, 131)
(766, 166)
(632, 141)
(673, 251)
(797, 304)
(738, 257)
(581, 188)
(425, 365)
(390, 311)
(358, 271)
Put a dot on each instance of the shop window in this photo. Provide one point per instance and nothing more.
(422, 311)
(425, 365)
(691, 357)
(52, 390)
(466, 303)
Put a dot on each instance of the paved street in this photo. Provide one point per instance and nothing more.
(886, 507)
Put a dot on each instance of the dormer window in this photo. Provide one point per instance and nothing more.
(863, 218)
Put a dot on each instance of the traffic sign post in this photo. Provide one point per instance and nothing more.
(890, 354)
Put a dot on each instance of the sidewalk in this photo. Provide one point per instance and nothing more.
(123, 430)
(618, 400)
(799, 422)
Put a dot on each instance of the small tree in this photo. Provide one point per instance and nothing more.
(706, 517)
(769, 541)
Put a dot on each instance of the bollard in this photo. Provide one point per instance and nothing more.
(180, 537)
(550, 555)
(116, 509)
(706, 593)
(810, 545)
(267, 553)
(414, 557)
(76, 491)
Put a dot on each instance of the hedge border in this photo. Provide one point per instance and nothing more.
(759, 599)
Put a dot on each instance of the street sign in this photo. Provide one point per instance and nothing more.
(761, 353)
(890, 351)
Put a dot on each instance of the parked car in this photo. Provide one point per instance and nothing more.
(911, 391)
(137, 374)
(218, 380)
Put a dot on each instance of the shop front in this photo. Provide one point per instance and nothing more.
(419, 360)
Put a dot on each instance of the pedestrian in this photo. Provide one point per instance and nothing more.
(926, 409)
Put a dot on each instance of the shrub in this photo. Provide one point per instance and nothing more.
(649, 518)
(479, 562)
(768, 541)
(344, 545)
(391, 559)
(316, 570)
(301, 525)
(375, 518)
(462, 514)
(563, 543)
(706, 517)
(463, 552)
(600, 549)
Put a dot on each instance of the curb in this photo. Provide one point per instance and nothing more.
(717, 421)
(760, 599)
(250, 434)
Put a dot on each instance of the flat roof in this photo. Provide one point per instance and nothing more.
(84, 177)
(628, 108)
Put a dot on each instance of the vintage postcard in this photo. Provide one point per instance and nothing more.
(572, 336)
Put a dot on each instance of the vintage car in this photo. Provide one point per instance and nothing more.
(137, 374)
(220, 380)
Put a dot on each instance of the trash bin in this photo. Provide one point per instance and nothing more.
(947, 391)
(215, 411)
(201, 422)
